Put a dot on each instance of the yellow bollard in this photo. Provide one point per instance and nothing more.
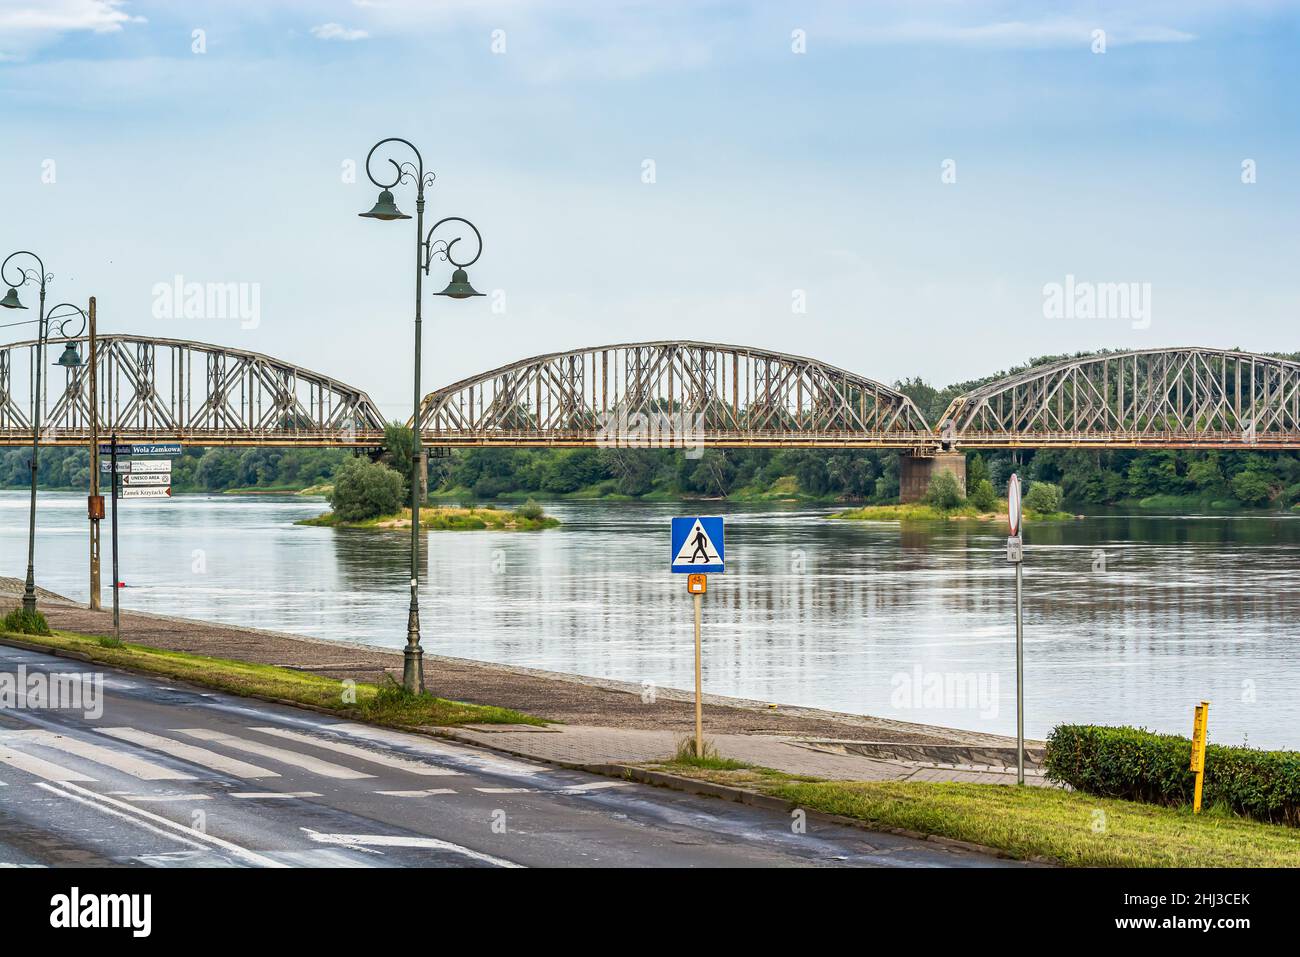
(1198, 751)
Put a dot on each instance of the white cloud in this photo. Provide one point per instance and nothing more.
(60, 16)
(336, 31)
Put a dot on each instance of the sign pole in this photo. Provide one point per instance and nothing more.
(699, 704)
(1016, 555)
(1199, 734)
(96, 500)
(117, 624)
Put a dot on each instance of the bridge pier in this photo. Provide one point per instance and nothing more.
(915, 472)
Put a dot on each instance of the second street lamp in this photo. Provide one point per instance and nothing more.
(385, 208)
(70, 359)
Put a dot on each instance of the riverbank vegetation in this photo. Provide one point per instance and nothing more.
(387, 704)
(944, 502)
(527, 518)
(1030, 823)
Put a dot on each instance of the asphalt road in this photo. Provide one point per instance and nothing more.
(177, 777)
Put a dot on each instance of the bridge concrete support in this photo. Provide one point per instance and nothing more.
(915, 472)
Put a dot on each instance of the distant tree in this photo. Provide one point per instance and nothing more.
(944, 491)
(399, 447)
(983, 497)
(365, 489)
(1251, 487)
(1044, 497)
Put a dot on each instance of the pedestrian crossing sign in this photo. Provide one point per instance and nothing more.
(698, 545)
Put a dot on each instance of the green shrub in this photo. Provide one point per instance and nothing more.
(944, 491)
(365, 489)
(26, 623)
(1044, 497)
(984, 497)
(1139, 765)
(530, 510)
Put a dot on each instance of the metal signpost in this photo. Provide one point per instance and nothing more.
(135, 478)
(1016, 555)
(1199, 733)
(698, 548)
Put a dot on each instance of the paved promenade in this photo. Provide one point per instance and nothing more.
(597, 721)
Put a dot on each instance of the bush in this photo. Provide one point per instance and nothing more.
(1139, 765)
(1044, 497)
(364, 489)
(984, 497)
(530, 510)
(26, 623)
(944, 491)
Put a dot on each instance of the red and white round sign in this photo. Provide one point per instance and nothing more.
(1013, 504)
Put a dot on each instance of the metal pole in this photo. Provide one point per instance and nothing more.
(1020, 684)
(413, 657)
(29, 588)
(94, 465)
(699, 707)
(117, 624)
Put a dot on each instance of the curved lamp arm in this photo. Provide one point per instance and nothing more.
(443, 249)
(404, 172)
(55, 321)
(24, 274)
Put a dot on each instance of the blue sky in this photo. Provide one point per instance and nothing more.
(775, 172)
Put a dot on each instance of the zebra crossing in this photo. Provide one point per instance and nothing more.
(258, 755)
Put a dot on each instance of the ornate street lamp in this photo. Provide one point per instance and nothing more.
(426, 249)
(71, 359)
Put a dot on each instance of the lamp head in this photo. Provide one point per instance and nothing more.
(11, 300)
(385, 208)
(459, 287)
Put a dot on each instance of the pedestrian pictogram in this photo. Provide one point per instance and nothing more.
(698, 545)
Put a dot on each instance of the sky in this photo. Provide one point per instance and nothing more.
(898, 188)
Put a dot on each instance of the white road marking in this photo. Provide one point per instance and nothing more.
(482, 760)
(191, 753)
(362, 754)
(157, 823)
(162, 798)
(268, 795)
(127, 763)
(594, 786)
(416, 794)
(503, 790)
(39, 766)
(305, 761)
(362, 841)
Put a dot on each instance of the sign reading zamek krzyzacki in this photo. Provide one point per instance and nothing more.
(141, 478)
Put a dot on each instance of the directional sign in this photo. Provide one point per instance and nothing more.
(136, 465)
(1013, 504)
(155, 466)
(143, 448)
(698, 545)
(137, 479)
(154, 491)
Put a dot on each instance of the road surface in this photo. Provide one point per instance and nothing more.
(177, 777)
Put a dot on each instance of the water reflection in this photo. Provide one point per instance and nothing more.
(1128, 619)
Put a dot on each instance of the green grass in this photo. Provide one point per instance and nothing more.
(924, 512)
(389, 705)
(1069, 828)
(710, 760)
(26, 622)
(446, 518)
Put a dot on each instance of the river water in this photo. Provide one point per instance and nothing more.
(1128, 619)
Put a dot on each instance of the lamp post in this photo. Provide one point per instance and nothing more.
(426, 249)
(70, 359)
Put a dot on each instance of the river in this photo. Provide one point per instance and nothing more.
(1128, 619)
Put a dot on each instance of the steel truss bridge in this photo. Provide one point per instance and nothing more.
(657, 395)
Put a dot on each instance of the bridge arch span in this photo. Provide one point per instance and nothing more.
(153, 389)
(671, 394)
(1187, 397)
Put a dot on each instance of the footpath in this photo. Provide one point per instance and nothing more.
(596, 721)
